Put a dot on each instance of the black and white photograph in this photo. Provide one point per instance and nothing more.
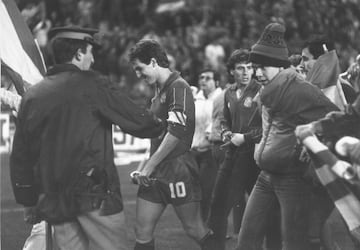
(180, 124)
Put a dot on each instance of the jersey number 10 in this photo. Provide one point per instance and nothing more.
(178, 190)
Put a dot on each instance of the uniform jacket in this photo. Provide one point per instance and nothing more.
(287, 101)
(240, 112)
(63, 142)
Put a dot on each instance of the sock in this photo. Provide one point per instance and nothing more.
(145, 246)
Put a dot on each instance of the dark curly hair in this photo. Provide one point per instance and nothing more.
(146, 49)
(315, 45)
(239, 55)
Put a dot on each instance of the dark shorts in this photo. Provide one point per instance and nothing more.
(177, 182)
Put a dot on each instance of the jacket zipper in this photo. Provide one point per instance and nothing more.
(261, 150)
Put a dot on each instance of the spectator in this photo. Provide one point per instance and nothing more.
(287, 101)
(352, 74)
(201, 146)
(238, 172)
(342, 228)
(295, 63)
(214, 54)
(321, 66)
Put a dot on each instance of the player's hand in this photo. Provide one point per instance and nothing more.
(140, 179)
(134, 175)
(237, 139)
(144, 180)
(30, 215)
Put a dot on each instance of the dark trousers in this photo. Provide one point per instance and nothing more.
(336, 235)
(218, 153)
(291, 194)
(236, 175)
(208, 170)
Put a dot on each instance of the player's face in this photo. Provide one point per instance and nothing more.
(307, 60)
(242, 73)
(87, 58)
(144, 71)
(207, 82)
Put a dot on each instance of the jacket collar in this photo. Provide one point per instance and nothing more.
(59, 68)
(273, 92)
(173, 76)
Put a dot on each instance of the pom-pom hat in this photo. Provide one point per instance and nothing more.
(271, 49)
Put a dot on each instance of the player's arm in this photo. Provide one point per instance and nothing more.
(166, 147)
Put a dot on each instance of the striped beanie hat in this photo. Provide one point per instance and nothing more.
(271, 49)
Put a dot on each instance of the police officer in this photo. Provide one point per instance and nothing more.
(62, 167)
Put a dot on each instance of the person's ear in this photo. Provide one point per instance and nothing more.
(217, 84)
(232, 72)
(78, 55)
(153, 62)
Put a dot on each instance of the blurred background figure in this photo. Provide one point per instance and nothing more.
(321, 65)
(295, 63)
(201, 146)
(198, 34)
(352, 74)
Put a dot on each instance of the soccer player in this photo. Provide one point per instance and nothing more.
(171, 175)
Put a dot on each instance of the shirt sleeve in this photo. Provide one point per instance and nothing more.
(179, 102)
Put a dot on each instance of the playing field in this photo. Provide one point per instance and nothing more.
(169, 233)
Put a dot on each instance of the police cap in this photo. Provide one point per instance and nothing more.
(77, 33)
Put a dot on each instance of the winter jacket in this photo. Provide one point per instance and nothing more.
(288, 101)
(63, 144)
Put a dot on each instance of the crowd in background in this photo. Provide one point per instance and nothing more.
(200, 35)
(196, 35)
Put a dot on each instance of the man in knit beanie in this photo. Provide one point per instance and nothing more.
(271, 49)
(287, 101)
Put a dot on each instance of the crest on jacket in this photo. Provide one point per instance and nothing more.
(162, 98)
(248, 102)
